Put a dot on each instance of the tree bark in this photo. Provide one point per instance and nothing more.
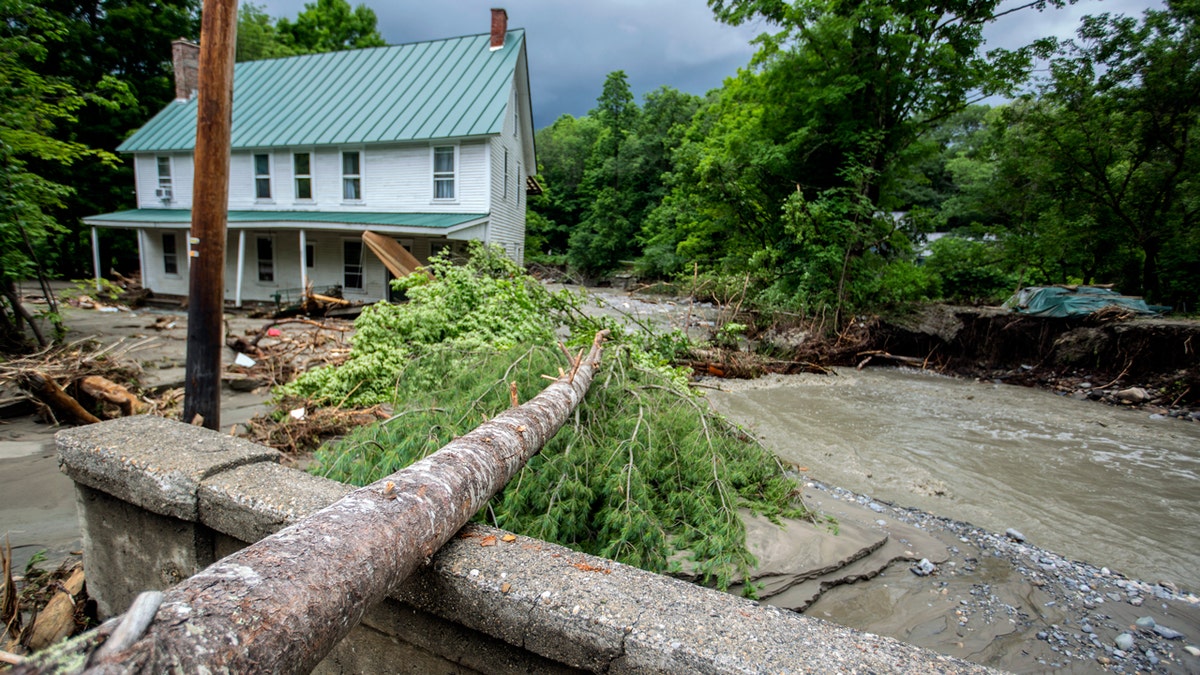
(21, 314)
(282, 604)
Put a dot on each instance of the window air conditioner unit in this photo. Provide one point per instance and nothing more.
(163, 193)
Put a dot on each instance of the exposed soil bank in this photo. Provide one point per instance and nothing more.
(1076, 355)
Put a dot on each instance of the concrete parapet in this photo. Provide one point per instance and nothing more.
(152, 462)
(160, 500)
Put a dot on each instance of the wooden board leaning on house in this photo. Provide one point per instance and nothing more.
(399, 262)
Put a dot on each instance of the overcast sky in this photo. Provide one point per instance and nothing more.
(574, 44)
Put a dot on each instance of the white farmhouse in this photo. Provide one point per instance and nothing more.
(427, 144)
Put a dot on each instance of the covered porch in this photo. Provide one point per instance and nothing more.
(271, 256)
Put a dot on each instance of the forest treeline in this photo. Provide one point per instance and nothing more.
(849, 166)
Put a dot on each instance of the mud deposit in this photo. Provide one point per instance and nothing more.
(1077, 480)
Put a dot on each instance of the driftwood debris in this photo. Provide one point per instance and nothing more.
(283, 603)
(60, 402)
(103, 389)
(57, 620)
(877, 355)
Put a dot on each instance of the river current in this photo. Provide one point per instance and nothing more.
(1111, 487)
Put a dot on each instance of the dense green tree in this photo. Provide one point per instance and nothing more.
(622, 175)
(94, 42)
(33, 106)
(792, 171)
(329, 26)
(1095, 177)
(1119, 122)
(564, 149)
(257, 36)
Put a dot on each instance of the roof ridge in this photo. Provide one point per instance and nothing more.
(390, 46)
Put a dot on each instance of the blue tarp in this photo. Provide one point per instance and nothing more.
(1064, 301)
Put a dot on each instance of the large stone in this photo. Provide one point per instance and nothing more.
(1133, 395)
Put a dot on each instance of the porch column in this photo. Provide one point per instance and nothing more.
(237, 295)
(141, 237)
(96, 256)
(303, 264)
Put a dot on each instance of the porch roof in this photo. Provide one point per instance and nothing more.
(435, 223)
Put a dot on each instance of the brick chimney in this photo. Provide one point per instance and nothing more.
(499, 28)
(185, 54)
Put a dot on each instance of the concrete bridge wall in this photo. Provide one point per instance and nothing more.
(160, 500)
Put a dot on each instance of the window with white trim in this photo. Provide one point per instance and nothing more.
(266, 259)
(164, 189)
(170, 254)
(352, 264)
(302, 172)
(506, 174)
(352, 176)
(444, 171)
(310, 256)
(519, 187)
(262, 176)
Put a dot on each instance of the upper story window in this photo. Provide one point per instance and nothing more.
(444, 172)
(170, 257)
(262, 176)
(163, 191)
(302, 170)
(351, 176)
(506, 174)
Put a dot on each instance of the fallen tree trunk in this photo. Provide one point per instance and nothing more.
(47, 391)
(283, 603)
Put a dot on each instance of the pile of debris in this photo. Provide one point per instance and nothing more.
(277, 352)
(85, 382)
(39, 608)
(78, 383)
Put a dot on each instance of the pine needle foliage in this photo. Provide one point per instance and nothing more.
(643, 473)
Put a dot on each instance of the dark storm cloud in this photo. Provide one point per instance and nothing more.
(574, 44)
(1025, 26)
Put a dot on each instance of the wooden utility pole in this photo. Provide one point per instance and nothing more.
(210, 203)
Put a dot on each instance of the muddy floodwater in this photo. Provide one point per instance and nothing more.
(1097, 484)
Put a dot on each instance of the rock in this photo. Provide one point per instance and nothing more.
(1086, 627)
(923, 568)
(1014, 535)
(1145, 622)
(1192, 649)
(1133, 395)
(877, 508)
(1124, 642)
(1168, 633)
(1152, 657)
(1136, 601)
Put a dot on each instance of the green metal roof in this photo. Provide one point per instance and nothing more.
(433, 221)
(443, 89)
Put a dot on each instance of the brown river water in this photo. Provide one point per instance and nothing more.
(1111, 487)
